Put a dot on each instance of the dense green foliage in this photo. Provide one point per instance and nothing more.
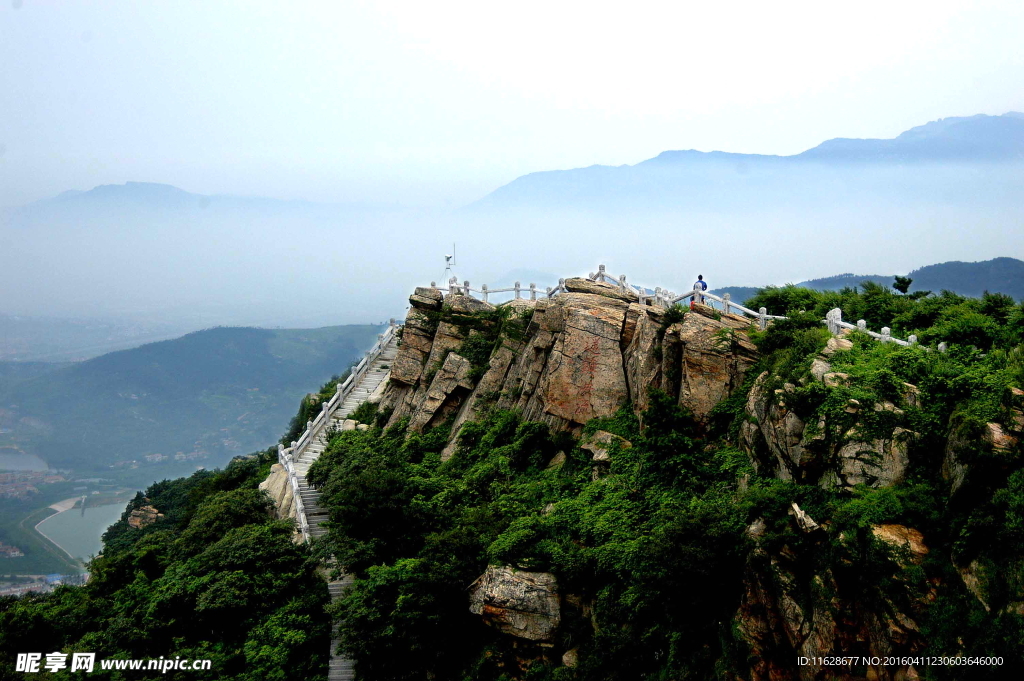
(219, 392)
(419, 531)
(216, 578)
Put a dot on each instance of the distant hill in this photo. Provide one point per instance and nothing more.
(919, 163)
(209, 395)
(999, 275)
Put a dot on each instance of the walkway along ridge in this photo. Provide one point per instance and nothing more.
(371, 372)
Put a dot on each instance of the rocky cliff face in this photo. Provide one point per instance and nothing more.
(835, 450)
(280, 491)
(564, 361)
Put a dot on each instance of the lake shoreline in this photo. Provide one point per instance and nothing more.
(95, 524)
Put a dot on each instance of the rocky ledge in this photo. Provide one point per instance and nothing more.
(575, 357)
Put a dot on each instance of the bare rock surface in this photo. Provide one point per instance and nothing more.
(904, 538)
(601, 442)
(426, 298)
(453, 374)
(581, 355)
(143, 516)
(280, 490)
(516, 602)
(585, 377)
(417, 340)
(600, 288)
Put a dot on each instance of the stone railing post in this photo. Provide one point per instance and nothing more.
(943, 347)
(886, 334)
(465, 289)
(550, 291)
(533, 291)
(600, 273)
(280, 453)
(726, 299)
(762, 320)
(862, 325)
(912, 339)
(483, 291)
(622, 282)
(837, 318)
(518, 290)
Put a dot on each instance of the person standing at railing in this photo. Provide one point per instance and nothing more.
(699, 285)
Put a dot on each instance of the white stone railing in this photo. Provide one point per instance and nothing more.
(518, 289)
(666, 298)
(287, 456)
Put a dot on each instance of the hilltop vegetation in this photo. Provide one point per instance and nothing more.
(214, 578)
(208, 395)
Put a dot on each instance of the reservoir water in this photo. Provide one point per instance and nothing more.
(79, 534)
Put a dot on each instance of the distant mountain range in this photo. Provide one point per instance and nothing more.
(999, 275)
(194, 400)
(831, 170)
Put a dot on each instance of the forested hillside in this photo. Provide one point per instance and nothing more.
(213, 577)
(196, 400)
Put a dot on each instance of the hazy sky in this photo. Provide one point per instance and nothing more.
(437, 103)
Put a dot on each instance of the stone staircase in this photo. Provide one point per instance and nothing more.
(374, 377)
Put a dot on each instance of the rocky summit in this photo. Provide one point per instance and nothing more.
(575, 357)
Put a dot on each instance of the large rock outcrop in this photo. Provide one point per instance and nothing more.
(832, 450)
(278, 487)
(567, 360)
(519, 603)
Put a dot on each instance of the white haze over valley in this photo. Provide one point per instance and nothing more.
(368, 140)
